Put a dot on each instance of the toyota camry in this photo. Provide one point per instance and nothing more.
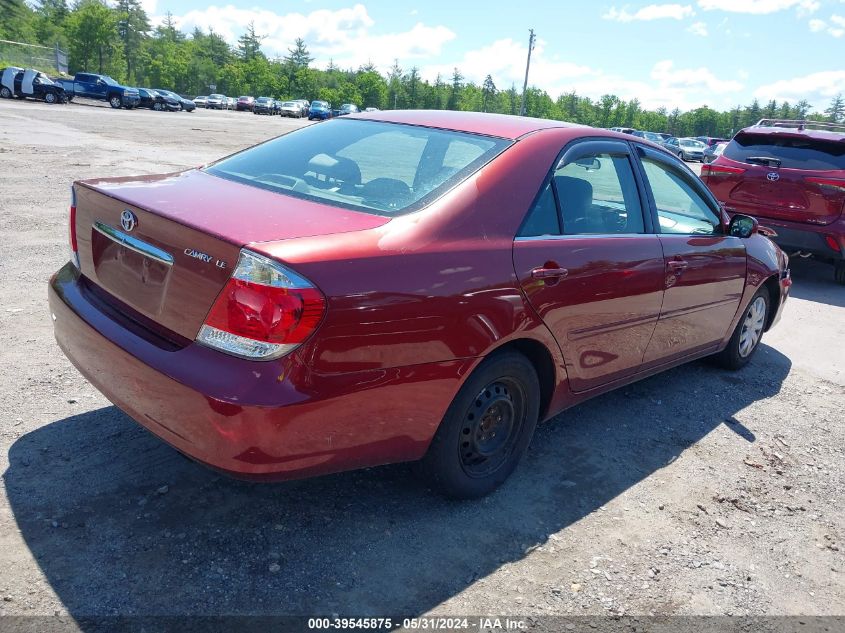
(403, 286)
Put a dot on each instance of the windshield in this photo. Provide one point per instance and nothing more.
(264, 99)
(690, 143)
(289, 104)
(216, 97)
(319, 104)
(108, 80)
(794, 152)
(364, 165)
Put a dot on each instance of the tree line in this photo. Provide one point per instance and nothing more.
(120, 41)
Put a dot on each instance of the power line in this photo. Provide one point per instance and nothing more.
(531, 38)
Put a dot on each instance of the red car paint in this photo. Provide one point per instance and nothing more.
(413, 305)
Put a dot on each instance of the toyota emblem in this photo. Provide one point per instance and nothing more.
(773, 176)
(128, 220)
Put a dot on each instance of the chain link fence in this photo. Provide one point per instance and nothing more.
(45, 58)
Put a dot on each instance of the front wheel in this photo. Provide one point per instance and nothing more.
(749, 331)
(486, 429)
(681, 156)
(115, 102)
(50, 97)
(5, 93)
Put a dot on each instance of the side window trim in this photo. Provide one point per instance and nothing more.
(581, 147)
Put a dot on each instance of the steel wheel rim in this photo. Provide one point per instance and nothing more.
(491, 427)
(752, 327)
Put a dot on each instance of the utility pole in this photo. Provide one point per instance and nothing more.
(531, 38)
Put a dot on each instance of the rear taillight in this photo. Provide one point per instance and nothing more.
(709, 169)
(832, 243)
(836, 184)
(74, 249)
(265, 310)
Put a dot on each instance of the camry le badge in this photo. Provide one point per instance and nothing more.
(204, 257)
(128, 220)
(773, 176)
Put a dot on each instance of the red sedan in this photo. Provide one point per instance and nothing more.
(398, 286)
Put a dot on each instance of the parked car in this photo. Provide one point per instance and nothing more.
(320, 110)
(347, 108)
(245, 103)
(710, 141)
(102, 88)
(185, 104)
(155, 100)
(200, 101)
(371, 109)
(263, 105)
(306, 105)
(17, 82)
(714, 151)
(292, 109)
(649, 136)
(231, 103)
(687, 149)
(373, 301)
(623, 130)
(790, 175)
(217, 102)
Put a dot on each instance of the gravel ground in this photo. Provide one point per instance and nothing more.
(694, 492)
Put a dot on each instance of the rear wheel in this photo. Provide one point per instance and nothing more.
(839, 272)
(749, 331)
(486, 429)
(114, 101)
(681, 156)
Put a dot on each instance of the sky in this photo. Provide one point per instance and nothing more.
(683, 54)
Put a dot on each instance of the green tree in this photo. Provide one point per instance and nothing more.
(92, 31)
(488, 93)
(132, 27)
(836, 110)
(249, 44)
(455, 92)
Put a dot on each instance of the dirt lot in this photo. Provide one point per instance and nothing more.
(694, 492)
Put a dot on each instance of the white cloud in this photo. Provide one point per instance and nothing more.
(343, 35)
(817, 88)
(650, 12)
(835, 29)
(758, 7)
(698, 28)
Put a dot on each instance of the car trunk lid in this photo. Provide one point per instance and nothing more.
(164, 246)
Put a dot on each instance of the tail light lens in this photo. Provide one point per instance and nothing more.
(832, 243)
(74, 249)
(264, 312)
(709, 169)
(834, 184)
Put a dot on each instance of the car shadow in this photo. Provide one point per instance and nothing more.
(813, 281)
(122, 524)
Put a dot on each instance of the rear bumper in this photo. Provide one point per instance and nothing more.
(258, 420)
(809, 238)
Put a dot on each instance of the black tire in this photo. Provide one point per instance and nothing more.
(502, 396)
(746, 338)
(50, 97)
(115, 101)
(839, 272)
(5, 93)
(681, 156)
(157, 107)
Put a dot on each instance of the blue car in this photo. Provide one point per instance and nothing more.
(320, 110)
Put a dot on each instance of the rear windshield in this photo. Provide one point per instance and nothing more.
(381, 168)
(688, 143)
(793, 152)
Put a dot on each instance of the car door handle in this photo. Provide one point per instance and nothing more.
(549, 273)
(678, 265)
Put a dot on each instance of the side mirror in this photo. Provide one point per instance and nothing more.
(742, 226)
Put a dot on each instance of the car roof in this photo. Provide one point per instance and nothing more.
(501, 125)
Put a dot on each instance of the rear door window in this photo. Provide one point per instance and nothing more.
(793, 152)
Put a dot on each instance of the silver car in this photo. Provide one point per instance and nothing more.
(201, 101)
(217, 102)
(688, 149)
(292, 109)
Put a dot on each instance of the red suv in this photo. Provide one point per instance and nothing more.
(791, 176)
(245, 103)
